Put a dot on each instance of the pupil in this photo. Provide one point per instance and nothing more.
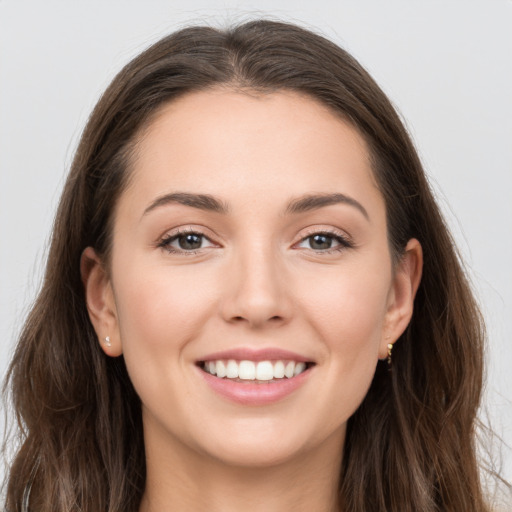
(321, 242)
(190, 241)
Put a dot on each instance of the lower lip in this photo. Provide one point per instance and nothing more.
(249, 393)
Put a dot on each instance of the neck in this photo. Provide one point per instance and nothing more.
(183, 479)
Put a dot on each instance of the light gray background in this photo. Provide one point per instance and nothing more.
(446, 65)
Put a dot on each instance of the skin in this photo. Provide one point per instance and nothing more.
(256, 282)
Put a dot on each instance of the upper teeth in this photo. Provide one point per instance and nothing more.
(251, 370)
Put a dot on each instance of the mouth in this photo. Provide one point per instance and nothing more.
(255, 372)
(255, 377)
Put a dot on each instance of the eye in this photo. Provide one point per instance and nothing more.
(325, 242)
(184, 242)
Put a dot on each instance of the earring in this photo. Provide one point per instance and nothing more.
(107, 341)
(390, 349)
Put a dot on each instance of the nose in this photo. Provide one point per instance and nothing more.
(257, 293)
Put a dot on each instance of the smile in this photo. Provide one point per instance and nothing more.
(255, 377)
(255, 371)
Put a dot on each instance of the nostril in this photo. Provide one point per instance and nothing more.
(275, 318)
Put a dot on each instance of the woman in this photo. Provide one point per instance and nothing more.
(251, 300)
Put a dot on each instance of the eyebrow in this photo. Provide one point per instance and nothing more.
(300, 205)
(200, 201)
(315, 201)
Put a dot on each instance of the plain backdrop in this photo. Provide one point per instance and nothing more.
(445, 64)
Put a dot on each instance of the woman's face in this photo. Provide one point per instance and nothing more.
(251, 230)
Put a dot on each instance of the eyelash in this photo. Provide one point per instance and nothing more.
(165, 242)
(343, 241)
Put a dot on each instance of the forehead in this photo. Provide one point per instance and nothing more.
(226, 142)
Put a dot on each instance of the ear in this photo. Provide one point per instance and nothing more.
(406, 280)
(100, 302)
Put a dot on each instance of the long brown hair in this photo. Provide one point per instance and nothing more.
(411, 444)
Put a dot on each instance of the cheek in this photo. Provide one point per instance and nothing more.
(348, 317)
(348, 311)
(160, 311)
(159, 306)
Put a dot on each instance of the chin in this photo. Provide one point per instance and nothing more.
(264, 444)
(255, 454)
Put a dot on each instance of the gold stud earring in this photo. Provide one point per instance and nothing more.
(107, 341)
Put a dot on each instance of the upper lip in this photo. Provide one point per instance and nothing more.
(251, 354)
